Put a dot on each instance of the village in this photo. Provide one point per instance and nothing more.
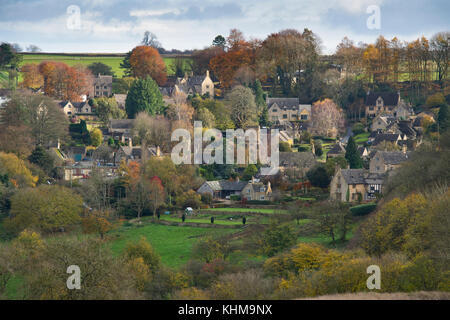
(359, 140)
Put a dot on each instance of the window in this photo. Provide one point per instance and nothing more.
(105, 87)
(262, 198)
(274, 110)
(304, 117)
(262, 189)
(284, 116)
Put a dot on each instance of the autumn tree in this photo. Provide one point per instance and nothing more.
(180, 112)
(244, 112)
(240, 54)
(41, 115)
(16, 171)
(146, 62)
(327, 118)
(97, 222)
(64, 82)
(32, 78)
(200, 61)
(440, 53)
(45, 208)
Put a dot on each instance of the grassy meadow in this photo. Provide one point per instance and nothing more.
(111, 60)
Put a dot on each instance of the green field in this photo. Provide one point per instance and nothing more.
(244, 210)
(173, 244)
(112, 61)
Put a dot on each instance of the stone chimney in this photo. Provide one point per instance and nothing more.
(404, 148)
(130, 142)
(207, 73)
(237, 179)
(158, 151)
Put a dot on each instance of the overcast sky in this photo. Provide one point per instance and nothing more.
(118, 26)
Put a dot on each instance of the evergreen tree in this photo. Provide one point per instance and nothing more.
(352, 155)
(144, 95)
(126, 65)
(219, 41)
(41, 158)
(259, 94)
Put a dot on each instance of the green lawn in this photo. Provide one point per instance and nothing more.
(112, 61)
(362, 137)
(217, 220)
(173, 244)
(244, 210)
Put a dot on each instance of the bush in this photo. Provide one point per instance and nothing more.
(358, 128)
(363, 209)
(262, 202)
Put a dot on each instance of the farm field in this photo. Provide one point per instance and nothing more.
(112, 61)
(172, 243)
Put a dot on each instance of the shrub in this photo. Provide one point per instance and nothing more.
(363, 209)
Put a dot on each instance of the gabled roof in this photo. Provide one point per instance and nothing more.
(353, 176)
(405, 128)
(389, 137)
(361, 151)
(283, 103)
(226, 185)
(389, 98)
(297, 159)
(394, 157)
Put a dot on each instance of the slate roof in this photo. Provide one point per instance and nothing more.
(389, 98)
(354, 176)
(405, 128)
(297, 159)
(226, 185)
(389, 137)
(394, 157)
(283, 103)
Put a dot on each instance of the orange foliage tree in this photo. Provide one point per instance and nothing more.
(64, 82)
(32, 78)
(146, 61)
(240, 54)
